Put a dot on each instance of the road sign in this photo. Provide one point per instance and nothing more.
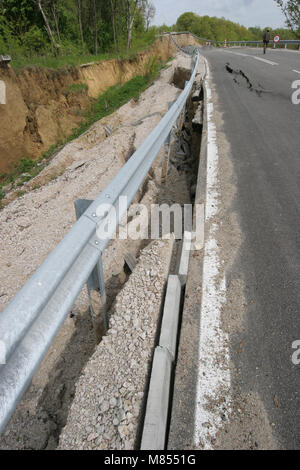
(276, 38)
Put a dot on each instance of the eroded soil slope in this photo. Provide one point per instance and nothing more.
(41, 108)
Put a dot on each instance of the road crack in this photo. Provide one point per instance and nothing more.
(259, 90)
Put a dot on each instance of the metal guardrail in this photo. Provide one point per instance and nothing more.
(30, 322)
(173, 33)
(284, 42)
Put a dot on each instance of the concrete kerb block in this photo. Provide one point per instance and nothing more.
(155, 424)
(185, 258)
(169, 328)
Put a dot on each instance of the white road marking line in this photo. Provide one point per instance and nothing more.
(253, 57)
(297, 71)
(238, 53)
(214, 380)
(264, 60)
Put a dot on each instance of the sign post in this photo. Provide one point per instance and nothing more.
(276, 40)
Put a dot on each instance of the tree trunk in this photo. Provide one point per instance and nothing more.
(96, 27)
(130, 21)
(79, 7)
(113, 15)
(56, 21)
(47, 25)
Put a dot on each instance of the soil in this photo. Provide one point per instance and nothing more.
(39, 113)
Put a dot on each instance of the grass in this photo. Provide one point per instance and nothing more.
(75, 88)
(115, 97)
(75, 59)
(52, 62)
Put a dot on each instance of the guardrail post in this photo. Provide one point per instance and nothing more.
(95, 285)
(169, 144)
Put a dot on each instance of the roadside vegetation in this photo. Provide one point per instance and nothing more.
(58, 33)
(219, 29)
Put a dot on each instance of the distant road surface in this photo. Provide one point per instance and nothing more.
(252, 96)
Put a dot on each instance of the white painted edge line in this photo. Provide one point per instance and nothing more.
(238, 53)
(264, 60)
(214, 380)
(253, 57)
(296, 71)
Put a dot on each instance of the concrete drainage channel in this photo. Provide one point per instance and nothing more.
(159, 400)
(109, 407)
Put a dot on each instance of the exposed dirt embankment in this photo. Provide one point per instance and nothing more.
(41, 108)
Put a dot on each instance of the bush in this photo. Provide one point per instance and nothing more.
(25, 165)
(34, 40)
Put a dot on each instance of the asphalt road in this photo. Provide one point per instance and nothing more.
(263, 128)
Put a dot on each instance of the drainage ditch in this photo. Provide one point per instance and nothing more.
(39, 424)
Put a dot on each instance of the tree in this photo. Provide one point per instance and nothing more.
(54, 5)
(131, 7)
(291, 9)
(41, 5)
(95, 26)
(79, 14)
(149, 11)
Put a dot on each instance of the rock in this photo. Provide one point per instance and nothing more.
(92, 437)
(113, 402)
(105, 407)
(77, 165)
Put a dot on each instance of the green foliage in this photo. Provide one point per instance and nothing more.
(34, 41)
(75, 88)
(291, 9)
(2, 194)
(24, 165)
(24, 171)
(219, 29)
(70, 30)
(118, 95)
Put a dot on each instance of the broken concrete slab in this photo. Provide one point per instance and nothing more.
(169, 328)
(155, 424)
(130, 260)
(185, 258)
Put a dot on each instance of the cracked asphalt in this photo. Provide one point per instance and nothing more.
(264, 134)
(258, 132)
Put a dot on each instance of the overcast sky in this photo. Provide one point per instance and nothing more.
(246, 12)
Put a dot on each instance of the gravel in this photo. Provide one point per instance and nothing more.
(109, 396)
(31, 227)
